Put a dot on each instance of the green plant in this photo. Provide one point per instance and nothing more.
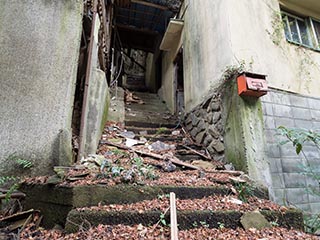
(277, 28)
(13, 186)
(220, 225)
(163, 196)
(145, 170)
(244, 191)
(233, 70)
(24, 163)
(195, 224)
(161, 130)
(274, 223)
(119, 152)
(163, 219)
(204, 224)
(6, 179)
(298, 138)
(311, 222)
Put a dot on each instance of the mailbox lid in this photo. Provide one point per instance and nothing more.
(257, 84)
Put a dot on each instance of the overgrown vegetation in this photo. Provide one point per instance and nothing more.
(299, 138)
(277, 28)
(138, 171)
(11, 182)
(244, 190)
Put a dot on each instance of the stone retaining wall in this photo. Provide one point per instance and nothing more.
(205, 125)
(289, 185)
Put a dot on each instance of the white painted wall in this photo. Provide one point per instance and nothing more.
(207, 47)
(221, 33)
(289, 67)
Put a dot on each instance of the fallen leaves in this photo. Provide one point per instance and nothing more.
(140, 232)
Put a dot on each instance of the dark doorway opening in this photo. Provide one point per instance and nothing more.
(179, 82)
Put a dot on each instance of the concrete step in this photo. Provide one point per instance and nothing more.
(153, 123)
(186, 219)
(150, 131)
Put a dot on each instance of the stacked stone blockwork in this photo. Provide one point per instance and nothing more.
(205, 125)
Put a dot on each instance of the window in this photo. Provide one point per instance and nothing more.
(304, 31)
(316, 30)
(296, 29)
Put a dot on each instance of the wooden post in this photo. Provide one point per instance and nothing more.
(173, 217)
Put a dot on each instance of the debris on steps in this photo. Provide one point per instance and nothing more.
(122, 189)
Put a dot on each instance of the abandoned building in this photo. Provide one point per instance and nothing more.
(60, 61)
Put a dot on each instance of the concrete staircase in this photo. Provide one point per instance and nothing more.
(78, 205)
(148, 119)
(153, 113)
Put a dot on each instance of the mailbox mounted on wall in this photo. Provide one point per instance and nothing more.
(251, 84)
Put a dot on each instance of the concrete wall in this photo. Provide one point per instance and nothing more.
(292, 111)
(251, 32)
(243, 31)
(151, 73)
(39, 49)
(97, 110)
(244, 136)
(257, 37)
(207, 48)
(97, 101)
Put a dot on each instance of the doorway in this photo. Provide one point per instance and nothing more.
(179, 82)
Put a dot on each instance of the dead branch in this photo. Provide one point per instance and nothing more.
(196, 152)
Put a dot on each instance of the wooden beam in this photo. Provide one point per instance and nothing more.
(150, 4)
(173, 217)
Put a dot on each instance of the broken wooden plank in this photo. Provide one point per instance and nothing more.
(173, 217)
(18, 216)
(234, 173)
(196, 152)
(173, 159)
(12, 195)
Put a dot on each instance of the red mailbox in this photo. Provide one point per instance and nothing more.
(251, 84)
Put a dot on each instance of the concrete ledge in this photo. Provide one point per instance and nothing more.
(55, 202)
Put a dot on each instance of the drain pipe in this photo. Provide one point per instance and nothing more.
(86, 85)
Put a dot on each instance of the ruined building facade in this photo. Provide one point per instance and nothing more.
(59, 58)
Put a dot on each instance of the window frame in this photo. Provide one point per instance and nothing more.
(316, 37)
(285, 15)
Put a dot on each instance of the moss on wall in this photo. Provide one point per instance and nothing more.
(105, 111)
(234, 140)
(244, 134)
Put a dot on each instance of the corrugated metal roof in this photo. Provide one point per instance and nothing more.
(144, 17)
(141, 23)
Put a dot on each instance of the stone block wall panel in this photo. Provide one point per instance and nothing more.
(289, 186)
(205, 125)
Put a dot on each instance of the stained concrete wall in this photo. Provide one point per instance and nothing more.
(243, 31)
(151, 73)
(257, 37)
(207, 48)
(288, 184)
(244, 136)
(39, 49)
(98, 105)
(98, 100)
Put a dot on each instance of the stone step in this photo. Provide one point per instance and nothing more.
(186, 219)
(55, 201)
(150, 131)
(149, 124)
